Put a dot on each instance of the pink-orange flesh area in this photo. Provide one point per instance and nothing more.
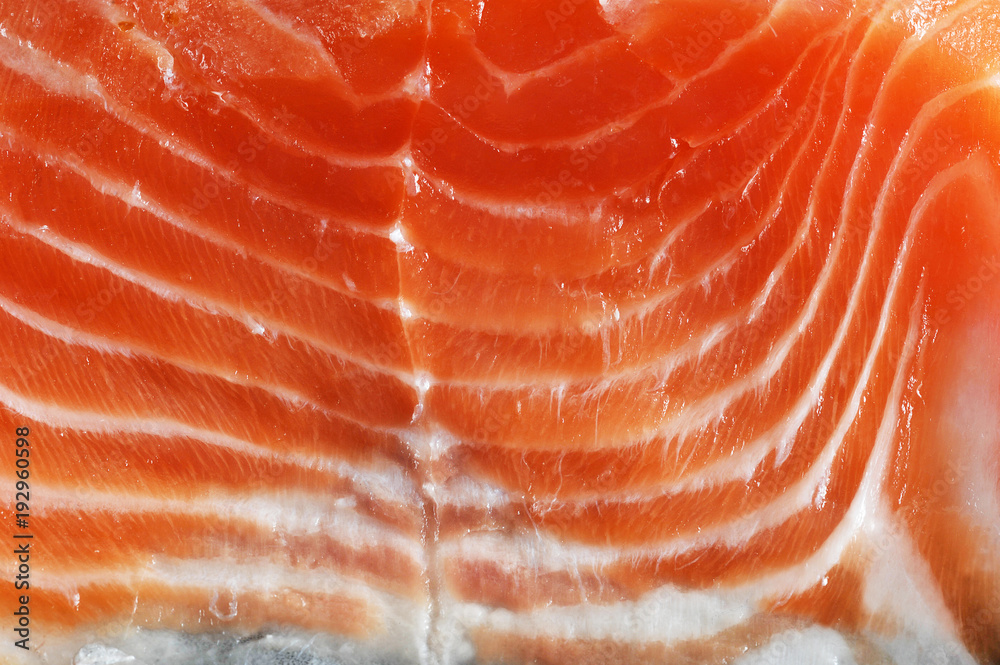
(472, 327)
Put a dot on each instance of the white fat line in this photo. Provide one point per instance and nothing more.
(228, 580)
(666, 615)
(175, 294)
(707, 409)
(386, 483)
(803, 149)
(711, 408)
(924, 32)
(813, 644)
(714, 336)
(727, 262)
(283, 513)
(773, 363)
(918, 127)
(280, 25)
(623, 22)
(895, 558)
(702, 413)
(751, 455)
(540, 550)
(570, 217)
(575, 214)
(288, 27)
(133, 196)
(66, 334)
(899, 581)
(513, 81)
(734, 49)
(87, 255)
(604, 133)
(920, 121)
(468, 491)
(714, 404)
(812, 303)
(230, 589)
(22, 56)
(118, 638)
(700, 345)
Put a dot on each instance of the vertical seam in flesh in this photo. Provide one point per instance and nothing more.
(429, 652)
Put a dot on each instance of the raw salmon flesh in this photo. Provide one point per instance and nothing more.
(445, 332)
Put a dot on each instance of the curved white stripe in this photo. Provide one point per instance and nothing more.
(289, 512)
(664, 616)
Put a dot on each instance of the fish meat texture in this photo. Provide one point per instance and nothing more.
(500, 331)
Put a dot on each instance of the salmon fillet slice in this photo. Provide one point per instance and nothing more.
(440, 332)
